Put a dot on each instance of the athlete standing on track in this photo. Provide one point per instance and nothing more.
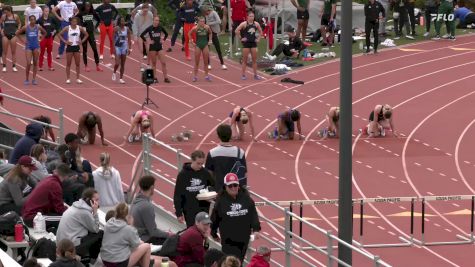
(203, 37)
(68, 9)
(50, 25)
(10, 23)
(73, 32)
(249, 32)
(302, 16)
(155, 50)
(372, 11)
(239, 117)
(122, 42)
(32, 47)
(383, 120)
(107, 13)
(87, 17)
(141, 122)
(188, 13)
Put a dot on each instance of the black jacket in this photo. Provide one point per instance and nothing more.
(62, 262)
(188, 184)
(371, 11)
(235, 218)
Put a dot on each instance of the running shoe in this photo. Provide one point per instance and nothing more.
(130, 139)
(243, 77)
(452, 38)
(99, 69)
(26, 82)
(437, 37)
(137, 137)
(51, 69)
(188, 58)
(169, 49)
(209, 67)
(68, 81)
(78, 81)
(155, 80)
(40, 68)
(34, 82)
(383, 132)
(410, 37)
(257, 77)
(58, 56)
(4, 69)
(87, 69)
(14, 69)
(223, 67)
(114, 76)
(121, 81)
(208, 78)
(113, 56)
(426, 34)
(445, 36)
(101, 57)
(145, 57)
(166, 80)
(397, 37)
(142, 69)
(194, 79)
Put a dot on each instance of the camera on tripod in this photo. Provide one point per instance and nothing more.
(148, 77)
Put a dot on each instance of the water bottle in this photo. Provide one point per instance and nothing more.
(18, 232)
(39, 223)
(305, 53)
(164, 262)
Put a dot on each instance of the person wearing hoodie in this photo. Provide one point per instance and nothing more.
(108, 183)
(261, 258)
(16, 186)
(32, 136)
(191, 179)
(236, 217)
(67, 255)
(144, 215)
(80, 224)
(121, 245)
(39, 156)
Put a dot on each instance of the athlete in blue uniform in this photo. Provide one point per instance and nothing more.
(32, 47)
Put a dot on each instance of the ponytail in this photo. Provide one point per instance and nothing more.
(105, 163)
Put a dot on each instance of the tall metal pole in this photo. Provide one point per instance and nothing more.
(345, 218)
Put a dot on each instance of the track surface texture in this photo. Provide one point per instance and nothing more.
(430, 86)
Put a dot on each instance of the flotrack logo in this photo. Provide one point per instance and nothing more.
(444, 17)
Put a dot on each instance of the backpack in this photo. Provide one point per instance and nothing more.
(43, 248)
(7, 223)
(239, 169)
(169, 247)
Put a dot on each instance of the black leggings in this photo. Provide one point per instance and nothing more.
(237, 249)
(217, 46)
(92, 41)
(372, 26)
(90, 245)
(428, 18)
(412, 19)
(282, 48)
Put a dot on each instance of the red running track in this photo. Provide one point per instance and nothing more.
(428, 86)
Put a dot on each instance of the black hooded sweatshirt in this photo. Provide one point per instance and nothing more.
(33, 133)
(188, 184)
(235, 218)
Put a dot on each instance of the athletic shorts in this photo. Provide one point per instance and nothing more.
(121, 51)
(10, 36)
(155, 47)
(32, 47)
(249, 45)
(290, 126)
(325, 20)
(303, 14)
(72, 49)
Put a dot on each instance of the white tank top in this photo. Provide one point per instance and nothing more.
(74, 36)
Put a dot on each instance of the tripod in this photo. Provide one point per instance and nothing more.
(147, 100)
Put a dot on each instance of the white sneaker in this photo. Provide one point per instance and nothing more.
(113, 56)
(142, 69)
(68, 81)
(137, 137)
(223, 67)
(114, 76)
(445, 36)
(58, 56)
(14, 69)
(78, 81)
(410, 37)
(426, 34)
(4, 69)
(383, 132)
(209, 67)
(145, 57)
(121, 81)
(130, 139)
(101, 57)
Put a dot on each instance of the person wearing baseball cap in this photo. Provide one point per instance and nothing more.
(190, 246)
(16, 186)
(290, 48)
(235, 216)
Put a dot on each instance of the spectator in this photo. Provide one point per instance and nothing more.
(292, 48)
(143, 213)
(67, 255)
(188, 13)
(110, 214)
(108, 183)
(87, 128)
(142, 21)
(32, 10)
(121, 245)
(191, 179)
(238, 14)
(212, 257)
(400, 17)
(221, 159)
(47, 198)
(328, 14)
(302, 16)
(32, 136)
(139, 7)
(5, 167)
(409, 5)
(191, 243)
(80, 224)
(430, 8)
(230, 261)
(31, 262)
(236, 217)
(374, 12)
(261, 258)
(39, 156)
(176, 5)
(59, 156)
(16, 186)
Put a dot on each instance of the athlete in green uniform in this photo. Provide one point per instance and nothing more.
(446, 9)
(203, 37)
(302, 16)
(328, 14)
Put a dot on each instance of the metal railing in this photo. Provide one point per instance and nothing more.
(288, 247)
(59, 111)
